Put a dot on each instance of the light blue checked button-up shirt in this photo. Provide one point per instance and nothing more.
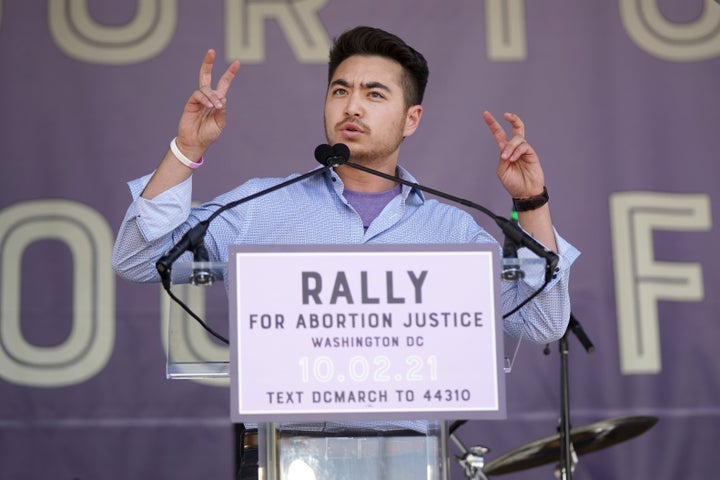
(314, 211)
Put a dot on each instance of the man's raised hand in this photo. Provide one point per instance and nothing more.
(519, 167)
(204, 116)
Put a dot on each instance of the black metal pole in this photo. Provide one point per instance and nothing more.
(566, 452)
(565, 438)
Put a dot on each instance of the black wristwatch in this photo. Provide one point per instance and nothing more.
(527, 204)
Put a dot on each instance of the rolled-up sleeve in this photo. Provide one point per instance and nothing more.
(544, 319)
(146, 231)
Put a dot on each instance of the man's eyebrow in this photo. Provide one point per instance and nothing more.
(341, 82)
(369, 86)
(381, 86)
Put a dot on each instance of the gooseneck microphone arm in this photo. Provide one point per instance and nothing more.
(193, 238)
(510, 229)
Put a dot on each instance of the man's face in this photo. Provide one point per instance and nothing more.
(365, 108)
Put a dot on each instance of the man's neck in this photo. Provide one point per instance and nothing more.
(360, 181)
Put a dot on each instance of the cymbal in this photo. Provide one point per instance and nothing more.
(584, 440)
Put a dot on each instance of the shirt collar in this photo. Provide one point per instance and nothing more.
(406, 190)
(336, 183)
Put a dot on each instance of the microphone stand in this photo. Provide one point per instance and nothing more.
(473, 458)
(567, 455)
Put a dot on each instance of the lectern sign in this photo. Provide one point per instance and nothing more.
(365, 332)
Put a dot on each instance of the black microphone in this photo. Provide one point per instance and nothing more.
(523, 239)
(336, 155)
(511, 270)
(193, 239)
(512, 231)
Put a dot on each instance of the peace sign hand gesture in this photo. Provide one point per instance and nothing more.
(204, 115)
(519, 167)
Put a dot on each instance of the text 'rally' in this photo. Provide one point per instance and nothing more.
(314, 290)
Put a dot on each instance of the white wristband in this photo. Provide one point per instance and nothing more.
(182, 158)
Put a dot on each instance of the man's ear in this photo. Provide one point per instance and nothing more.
(412, 120)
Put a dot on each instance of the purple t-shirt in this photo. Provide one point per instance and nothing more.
(369, 204)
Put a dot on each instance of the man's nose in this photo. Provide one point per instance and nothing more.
(353, 107)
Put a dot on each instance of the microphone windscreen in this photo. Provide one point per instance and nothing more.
(323, 152)
(341, 150)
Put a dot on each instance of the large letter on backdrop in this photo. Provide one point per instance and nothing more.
(82, 38)
(640, 280)
(245, 29)
(685, 42)
(90, 343)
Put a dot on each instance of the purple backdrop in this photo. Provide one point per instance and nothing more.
(619, 98)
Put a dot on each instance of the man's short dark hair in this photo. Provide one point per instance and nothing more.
(373, 41)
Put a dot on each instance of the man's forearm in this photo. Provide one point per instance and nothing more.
(538, 223)
(169, 173)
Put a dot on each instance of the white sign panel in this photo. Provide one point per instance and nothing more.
(371, 332)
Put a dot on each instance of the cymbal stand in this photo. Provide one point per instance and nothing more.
(568, 459)
(473, 459)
